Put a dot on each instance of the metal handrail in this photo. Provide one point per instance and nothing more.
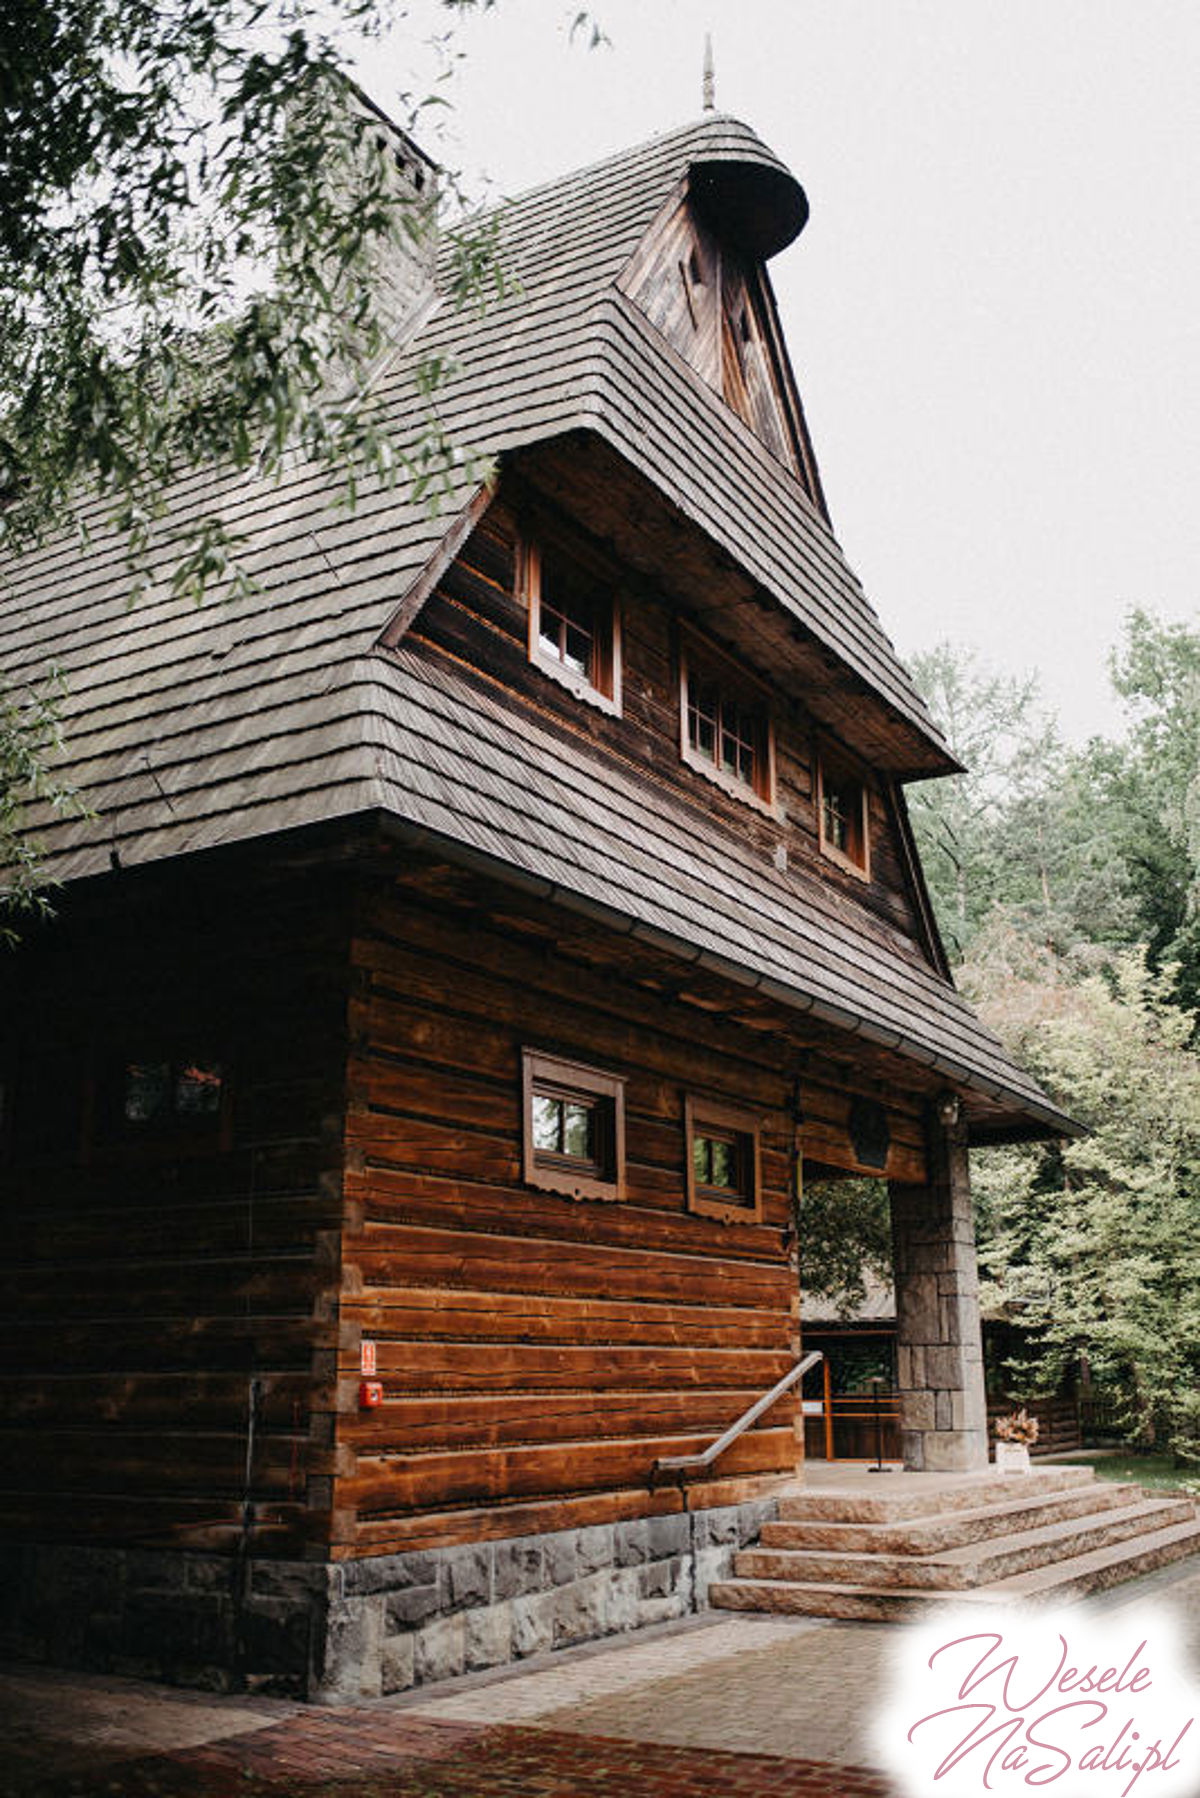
(680, 1464)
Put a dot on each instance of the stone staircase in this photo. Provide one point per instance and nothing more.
(886, 1549)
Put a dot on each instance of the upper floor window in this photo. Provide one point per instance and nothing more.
(726, 726)
(574, 626)
(574, 1128)
(842, 814)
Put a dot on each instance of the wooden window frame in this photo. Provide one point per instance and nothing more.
(702, 659)
(571, 1078)
(530, 544)
(700, 1115)
(109, 1137)
(834, 766)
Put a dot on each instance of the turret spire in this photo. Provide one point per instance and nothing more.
(710, 79)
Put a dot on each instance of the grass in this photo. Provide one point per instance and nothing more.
(1158, 1471)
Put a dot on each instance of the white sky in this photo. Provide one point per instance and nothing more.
(993, 312)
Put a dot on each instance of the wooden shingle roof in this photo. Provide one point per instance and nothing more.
(188, 728)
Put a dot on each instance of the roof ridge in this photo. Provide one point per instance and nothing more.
(707, 124)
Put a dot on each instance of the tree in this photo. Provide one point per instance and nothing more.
(985, 835)
(845, 1239)
(195, 204)
(1146, 788)
(1093, 1244)
(194, 209)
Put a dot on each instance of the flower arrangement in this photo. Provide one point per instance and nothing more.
(1019, 1427)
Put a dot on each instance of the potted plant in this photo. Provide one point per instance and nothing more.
(1015, 1435)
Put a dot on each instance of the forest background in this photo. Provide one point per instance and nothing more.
(1066, 883)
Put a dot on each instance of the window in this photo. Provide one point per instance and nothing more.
(722, 1161)
(574, 632)
(574, 1128)
(842, 816)
(174, 1102)
(726, 729)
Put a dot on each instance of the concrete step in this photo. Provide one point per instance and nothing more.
(900, 1496)
(971, 1564)
(1092, 1571)
(952, 1529)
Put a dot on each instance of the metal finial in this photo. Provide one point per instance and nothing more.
(710, 79)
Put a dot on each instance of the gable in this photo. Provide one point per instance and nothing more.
(713, 304)
(482, 614)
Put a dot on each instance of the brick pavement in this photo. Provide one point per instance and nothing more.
(728, 1707)
(374, 1754)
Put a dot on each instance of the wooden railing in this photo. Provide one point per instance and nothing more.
(679, 1465)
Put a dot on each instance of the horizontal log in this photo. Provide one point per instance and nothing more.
(411, 1425)
(105, 1460)
(222, 1225)
(432, 1311)
(165, 1289)
(408, 1483)
(185, 1400)
(585, 1367)
(515, 1263)
(129, 1520)
(392, 1197)
(154, 1345)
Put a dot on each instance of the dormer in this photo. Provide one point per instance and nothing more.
(700, 277)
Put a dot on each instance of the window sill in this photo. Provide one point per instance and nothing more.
(579, 685)
(847, 863)
(729, 783)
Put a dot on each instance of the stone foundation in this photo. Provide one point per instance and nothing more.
(361, 1629)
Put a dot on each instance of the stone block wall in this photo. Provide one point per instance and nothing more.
(943, 1412)
(396, 1621)
(360, 1629)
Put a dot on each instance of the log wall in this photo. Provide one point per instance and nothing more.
(153, 1300)
(539, 1352)
(478, 617)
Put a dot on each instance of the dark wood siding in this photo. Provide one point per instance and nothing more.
(477, 616)
(539, 1352)
(154, 1296)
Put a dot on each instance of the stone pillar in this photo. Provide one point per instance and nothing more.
(943, 1411)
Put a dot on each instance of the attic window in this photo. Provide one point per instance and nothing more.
(842, 813)
(726, 731)
(574, 631)
(691, 277)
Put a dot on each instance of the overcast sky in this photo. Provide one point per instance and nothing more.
(993, 312)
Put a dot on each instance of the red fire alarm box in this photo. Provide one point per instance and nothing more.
(370, 1394)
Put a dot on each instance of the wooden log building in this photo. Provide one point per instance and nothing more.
(474, 935)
